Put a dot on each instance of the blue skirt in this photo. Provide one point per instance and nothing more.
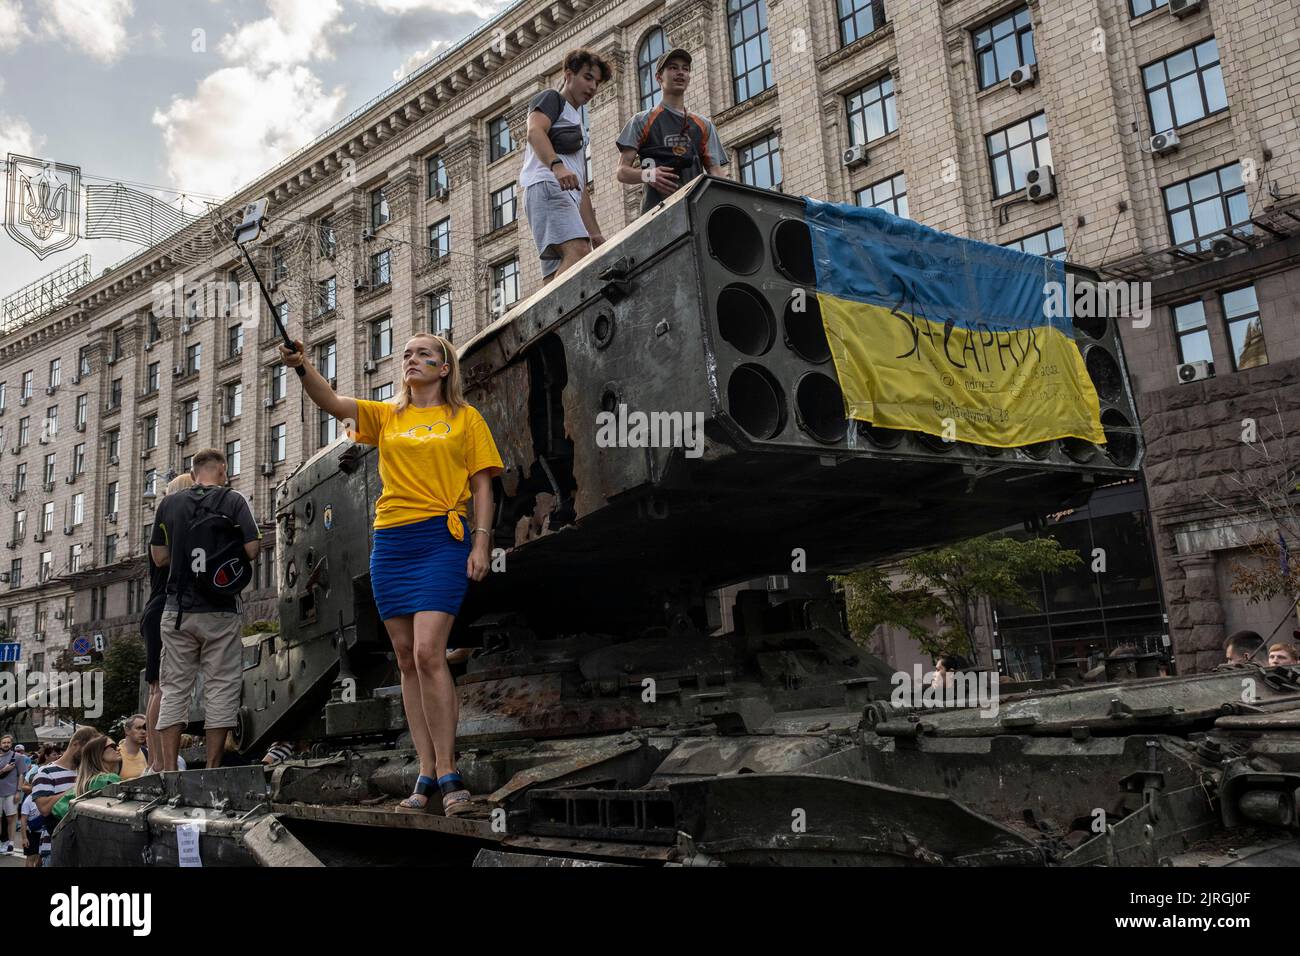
(418, 567)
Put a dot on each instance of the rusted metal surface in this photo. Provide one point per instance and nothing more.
(497, 859)
(390, 818)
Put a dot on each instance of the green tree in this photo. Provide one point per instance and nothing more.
(123, 662)
(950, 583)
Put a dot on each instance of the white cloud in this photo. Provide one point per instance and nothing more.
(241, 122)
(96, 27)
(480, 8)
(296, 31)
(419, 58)
(17, 136)
(12, 28)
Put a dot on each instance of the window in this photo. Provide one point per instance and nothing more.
(440, 238)
(232, 458)
(380, 272)
(435, 175)
(760, 163)
(1015, 150)
(27, 386)
(381, 393)
(278, 381)
(1004, 45)
(279, 268)
(117, 344)
(114, 442)
(193, 358)
(4, 395)
(327, 295)
(20, 477)
(652, 48)
(381, 337)
(873, 111)
(858, 18)
(325, 239)
(234, 340)
(15, 573)
(110, 548)
(151, 431)
(187, 463)
(153, 333)
(751, 54)
(499, 141)
(151, 378)
(47, 516)
(69, 606)
(83, 360)
(110, 498)
(78, 508)
(1139, 7)
(115, 393)
(20, 525)
(52, 421)
(190, 416)
(49, 469)
(24, 431)
(46, 572)
(74, 565)
(150, 488)
(79, 459)
(503, 206)
(1185, 86)
(327, 427)
(505, 286)
(379, 213)
(1205, 205)
(440, 312)
(282, 311)
(326, 354)
(56, 375)
(1049, 243)
(278, 449)
(233, 399)
(1192, 334)
(1245, 333)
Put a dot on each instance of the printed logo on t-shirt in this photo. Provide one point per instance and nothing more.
(424, 432)
(679, 142)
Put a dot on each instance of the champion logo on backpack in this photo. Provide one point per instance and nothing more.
(218, 567)
(229, 574)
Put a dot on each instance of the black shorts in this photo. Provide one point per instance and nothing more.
(151, 631)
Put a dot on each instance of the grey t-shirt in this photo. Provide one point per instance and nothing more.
(688, 142)
(9, 782)
(566, 125)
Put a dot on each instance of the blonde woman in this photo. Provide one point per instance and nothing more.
(98, 766)
(436, 454)
(151, 631)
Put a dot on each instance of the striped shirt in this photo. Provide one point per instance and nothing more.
(51, 780)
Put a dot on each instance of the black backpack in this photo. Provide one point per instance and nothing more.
(226, 570)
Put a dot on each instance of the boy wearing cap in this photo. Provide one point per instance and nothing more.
(668, 146)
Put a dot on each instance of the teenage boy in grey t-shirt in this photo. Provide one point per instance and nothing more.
(554, 175)
(666, 147)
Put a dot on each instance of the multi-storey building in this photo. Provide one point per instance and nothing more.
(1025, 124)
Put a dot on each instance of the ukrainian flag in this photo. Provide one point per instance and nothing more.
(948, 336)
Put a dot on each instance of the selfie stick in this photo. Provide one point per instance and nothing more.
(247, 231)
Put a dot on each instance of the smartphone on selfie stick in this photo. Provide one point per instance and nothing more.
(250, 230)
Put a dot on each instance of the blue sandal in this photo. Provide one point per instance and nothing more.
(424, 786)
(455, 797)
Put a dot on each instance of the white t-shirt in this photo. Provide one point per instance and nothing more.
(562, 114)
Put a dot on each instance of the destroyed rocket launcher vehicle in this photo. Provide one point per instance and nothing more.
(606, 716)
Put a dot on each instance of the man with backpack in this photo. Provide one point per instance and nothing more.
(207, 537)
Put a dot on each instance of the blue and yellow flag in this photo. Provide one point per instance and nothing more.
(948, 336)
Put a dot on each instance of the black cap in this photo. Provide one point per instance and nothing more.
(675, 53)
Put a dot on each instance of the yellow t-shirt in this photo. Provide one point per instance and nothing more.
(132, 766)
(426, 458)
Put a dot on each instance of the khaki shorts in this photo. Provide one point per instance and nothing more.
(207, 643)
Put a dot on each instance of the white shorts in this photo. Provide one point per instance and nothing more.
(9, 805)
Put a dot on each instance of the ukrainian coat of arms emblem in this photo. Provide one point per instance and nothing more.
(42, 204)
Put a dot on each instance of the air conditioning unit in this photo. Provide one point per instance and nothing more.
(112, 459)
(367, 234)
(43, 440)
(148, 346)
(1195, 371)
(1040, 184)
(4, 576)
(51, 389)
(47, 486)
(1165, 142)
(15, 450)
(268, 468)
(67, 531)
(1222, 247)
(855, 156)
(185, 328)
(111, 517)
(38, 636)
(23, 401)
(178, 371)
(76, 380)
(38, 537)
(440, 193)
(111, 360)
(1184, 8)
(1023, 76)
(360, 284)
(58, 615)
(80, 426)
(370, 367)
(225, 419)
(182, 438)
(69, 479)
(149, 495)
(268, 403)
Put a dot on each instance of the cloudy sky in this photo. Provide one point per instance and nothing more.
(196, 96)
